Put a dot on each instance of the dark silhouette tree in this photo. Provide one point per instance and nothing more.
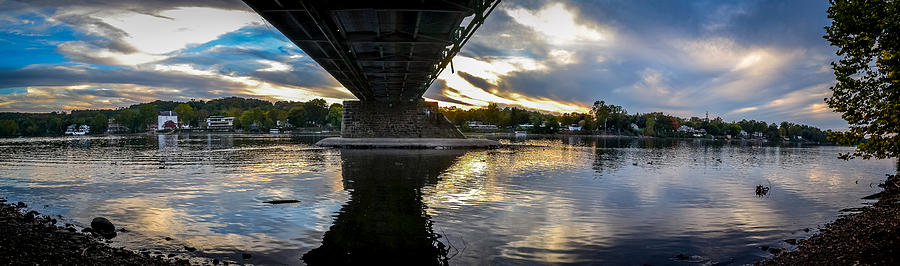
(867, 35)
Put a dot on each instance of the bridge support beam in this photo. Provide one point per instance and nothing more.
(416, 119)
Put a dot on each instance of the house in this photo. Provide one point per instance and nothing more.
(744, 134)
(686, 129)
(219, 123)
(115, 127)
(170, 125)
(283, 124)
(574, 127)
(75, 130)
(166, 116)
(479, 125)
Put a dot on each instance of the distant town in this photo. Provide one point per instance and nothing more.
(234, 114)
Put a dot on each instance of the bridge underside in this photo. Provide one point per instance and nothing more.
(384, 52)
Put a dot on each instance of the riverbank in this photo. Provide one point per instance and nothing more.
(26, 238)
(870, 237)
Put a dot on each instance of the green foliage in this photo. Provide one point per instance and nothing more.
(9, 128)
(255, 119)
(335, 115)
(100, 123)
(316, 110)
(147, 115)
(186, 114)
(867, 35)
(130, 119)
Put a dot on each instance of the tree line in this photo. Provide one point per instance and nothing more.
(612, 119)
(249, 114)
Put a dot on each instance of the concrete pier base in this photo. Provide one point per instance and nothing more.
(416, 119)
(408, 143)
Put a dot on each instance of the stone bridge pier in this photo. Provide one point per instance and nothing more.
(417, 119)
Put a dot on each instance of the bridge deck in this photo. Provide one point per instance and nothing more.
(384, 51)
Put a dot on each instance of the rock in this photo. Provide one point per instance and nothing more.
(190, 249)
(791, 241)
(681, 256)
(806, 230)
(21, 205)
(168, 238)
(281, 201)
(764, 248)
(215, 261)
(103, 227)
(87, 230)
(246, 256)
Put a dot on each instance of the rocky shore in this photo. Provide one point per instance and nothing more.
(869, 237)
(27, 238)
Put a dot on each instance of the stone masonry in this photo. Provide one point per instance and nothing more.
(418, 119)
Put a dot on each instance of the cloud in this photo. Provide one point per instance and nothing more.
(557, 24)
(133, 38)
(761, 60)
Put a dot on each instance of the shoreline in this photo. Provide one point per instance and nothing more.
(871, 236)
(29, 238)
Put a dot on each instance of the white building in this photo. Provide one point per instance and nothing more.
(479, 125)
(77, 130)
(166, 116)
(219, 123)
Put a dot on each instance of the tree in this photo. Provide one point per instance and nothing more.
(147, 115)
(867, 93)
(316, 110)
(99, 124)
(297, 116)
(8, 128)
(185, 113)
(130, 119)
(55, 126)
(335, 115)
(255, 117)
(602, 112)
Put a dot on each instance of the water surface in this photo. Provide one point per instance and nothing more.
(575, 200)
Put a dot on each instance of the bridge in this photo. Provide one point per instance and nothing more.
(386, 53)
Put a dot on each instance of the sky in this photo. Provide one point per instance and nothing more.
(762, 60)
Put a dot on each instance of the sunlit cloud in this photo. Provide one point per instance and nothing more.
(492, 71)
(559, 25)
(149, 37)
(258, 87)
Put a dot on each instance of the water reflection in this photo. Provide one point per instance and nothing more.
(656, 199)
(385, 219)
(167, 141)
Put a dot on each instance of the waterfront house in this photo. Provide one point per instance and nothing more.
(574, 127)
(480, 125)
(219, 123)
(76, 130)
(166, 116)
(115, 127)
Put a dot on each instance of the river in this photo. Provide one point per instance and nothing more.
(573, 200)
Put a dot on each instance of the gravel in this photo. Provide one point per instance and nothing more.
(870, 237)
